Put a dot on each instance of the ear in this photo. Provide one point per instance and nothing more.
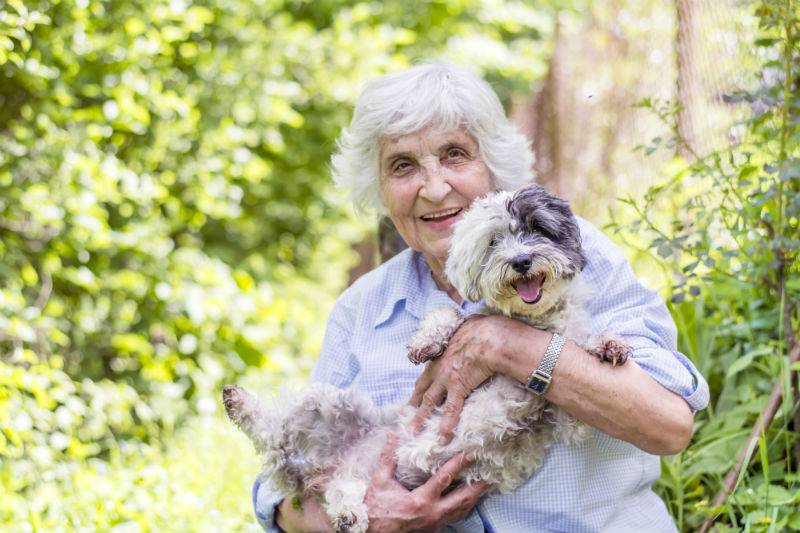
(472, 292)
(460, 270)
(470, 243)
(544, 212)
(464, 278)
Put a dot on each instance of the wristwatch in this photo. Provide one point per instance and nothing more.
(539, 380)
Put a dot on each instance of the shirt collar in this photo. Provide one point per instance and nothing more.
(406, 279)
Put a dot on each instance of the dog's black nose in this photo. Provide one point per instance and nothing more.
(521, 263)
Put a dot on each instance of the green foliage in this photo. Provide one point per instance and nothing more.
(64, 464)
(167, 225)
(727, 231)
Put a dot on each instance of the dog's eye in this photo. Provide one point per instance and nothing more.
(494, 242)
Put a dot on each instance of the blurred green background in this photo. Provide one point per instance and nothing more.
(168, 225)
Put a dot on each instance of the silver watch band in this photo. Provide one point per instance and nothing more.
(539, 380)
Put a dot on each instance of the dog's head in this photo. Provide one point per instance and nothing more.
(516, 251)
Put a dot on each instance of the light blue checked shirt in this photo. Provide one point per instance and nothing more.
(603, 484)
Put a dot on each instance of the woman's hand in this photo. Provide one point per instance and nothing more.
(392, 507)
(473, 355)
(310, 516)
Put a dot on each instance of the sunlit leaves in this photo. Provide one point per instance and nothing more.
(166, 224)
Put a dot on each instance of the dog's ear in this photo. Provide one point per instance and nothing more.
(543, 212)
(471, 242)
(460, 270)
(473, 291)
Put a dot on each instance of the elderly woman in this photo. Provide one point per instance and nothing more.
(422, 145)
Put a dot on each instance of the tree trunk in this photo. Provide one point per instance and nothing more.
(687, 86)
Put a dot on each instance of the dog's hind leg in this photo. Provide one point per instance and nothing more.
(246, 412)
(347, 488)
(345, 505)
(434, 333)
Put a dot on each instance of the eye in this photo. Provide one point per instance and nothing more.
(400, 167)
(494, 242)
(455, 152)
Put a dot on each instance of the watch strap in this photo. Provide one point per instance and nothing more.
(539, 380)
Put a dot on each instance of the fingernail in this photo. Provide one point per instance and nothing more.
(442, 441)
(470, 456)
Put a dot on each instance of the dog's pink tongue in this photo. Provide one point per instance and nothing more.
(530, 289)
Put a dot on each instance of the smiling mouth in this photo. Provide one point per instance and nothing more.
(443, 215)
(529, 288)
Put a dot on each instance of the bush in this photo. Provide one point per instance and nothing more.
(167, 225)
(726, 230)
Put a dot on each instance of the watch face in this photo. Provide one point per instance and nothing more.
(538, 385)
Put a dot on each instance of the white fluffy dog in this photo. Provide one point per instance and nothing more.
(520, 253)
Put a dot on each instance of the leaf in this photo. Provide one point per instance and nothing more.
(790, 173)
(767, 42)
(794, 521)
(739, 364)
(247, 353)
(777, 494)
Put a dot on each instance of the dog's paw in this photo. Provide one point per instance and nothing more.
(433, 334)
(349, 523)
(344, 505)
(609, 347)
(343, 523)
(423, 353)
(234, 399)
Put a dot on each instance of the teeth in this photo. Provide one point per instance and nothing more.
(443, 214)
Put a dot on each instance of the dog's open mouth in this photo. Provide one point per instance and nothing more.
(529, 289)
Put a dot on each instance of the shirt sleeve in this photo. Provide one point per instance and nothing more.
(335, 365)
(621, 305)
(265, 500)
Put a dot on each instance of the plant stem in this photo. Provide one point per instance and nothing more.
(761, 425)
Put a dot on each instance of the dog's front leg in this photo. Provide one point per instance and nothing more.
(434, 333)
(608, 347)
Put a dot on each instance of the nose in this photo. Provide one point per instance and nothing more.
(521, 264)
(436, 186)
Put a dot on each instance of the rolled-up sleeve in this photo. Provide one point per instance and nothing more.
(265, 500)
(621, 305)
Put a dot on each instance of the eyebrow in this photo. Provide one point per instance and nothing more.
(445, 145)
(397, 155)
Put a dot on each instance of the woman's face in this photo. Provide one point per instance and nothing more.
(428, 178)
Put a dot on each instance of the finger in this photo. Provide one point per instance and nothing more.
(423, 383)
(450, 414)
(444, 477)
(457, 504)
(387, 463)
(467, 494)
(430, 400)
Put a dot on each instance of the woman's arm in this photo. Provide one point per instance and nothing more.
(622, 401)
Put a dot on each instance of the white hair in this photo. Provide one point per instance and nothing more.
(443, 95)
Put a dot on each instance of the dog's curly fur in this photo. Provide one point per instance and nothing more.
(520, 253)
